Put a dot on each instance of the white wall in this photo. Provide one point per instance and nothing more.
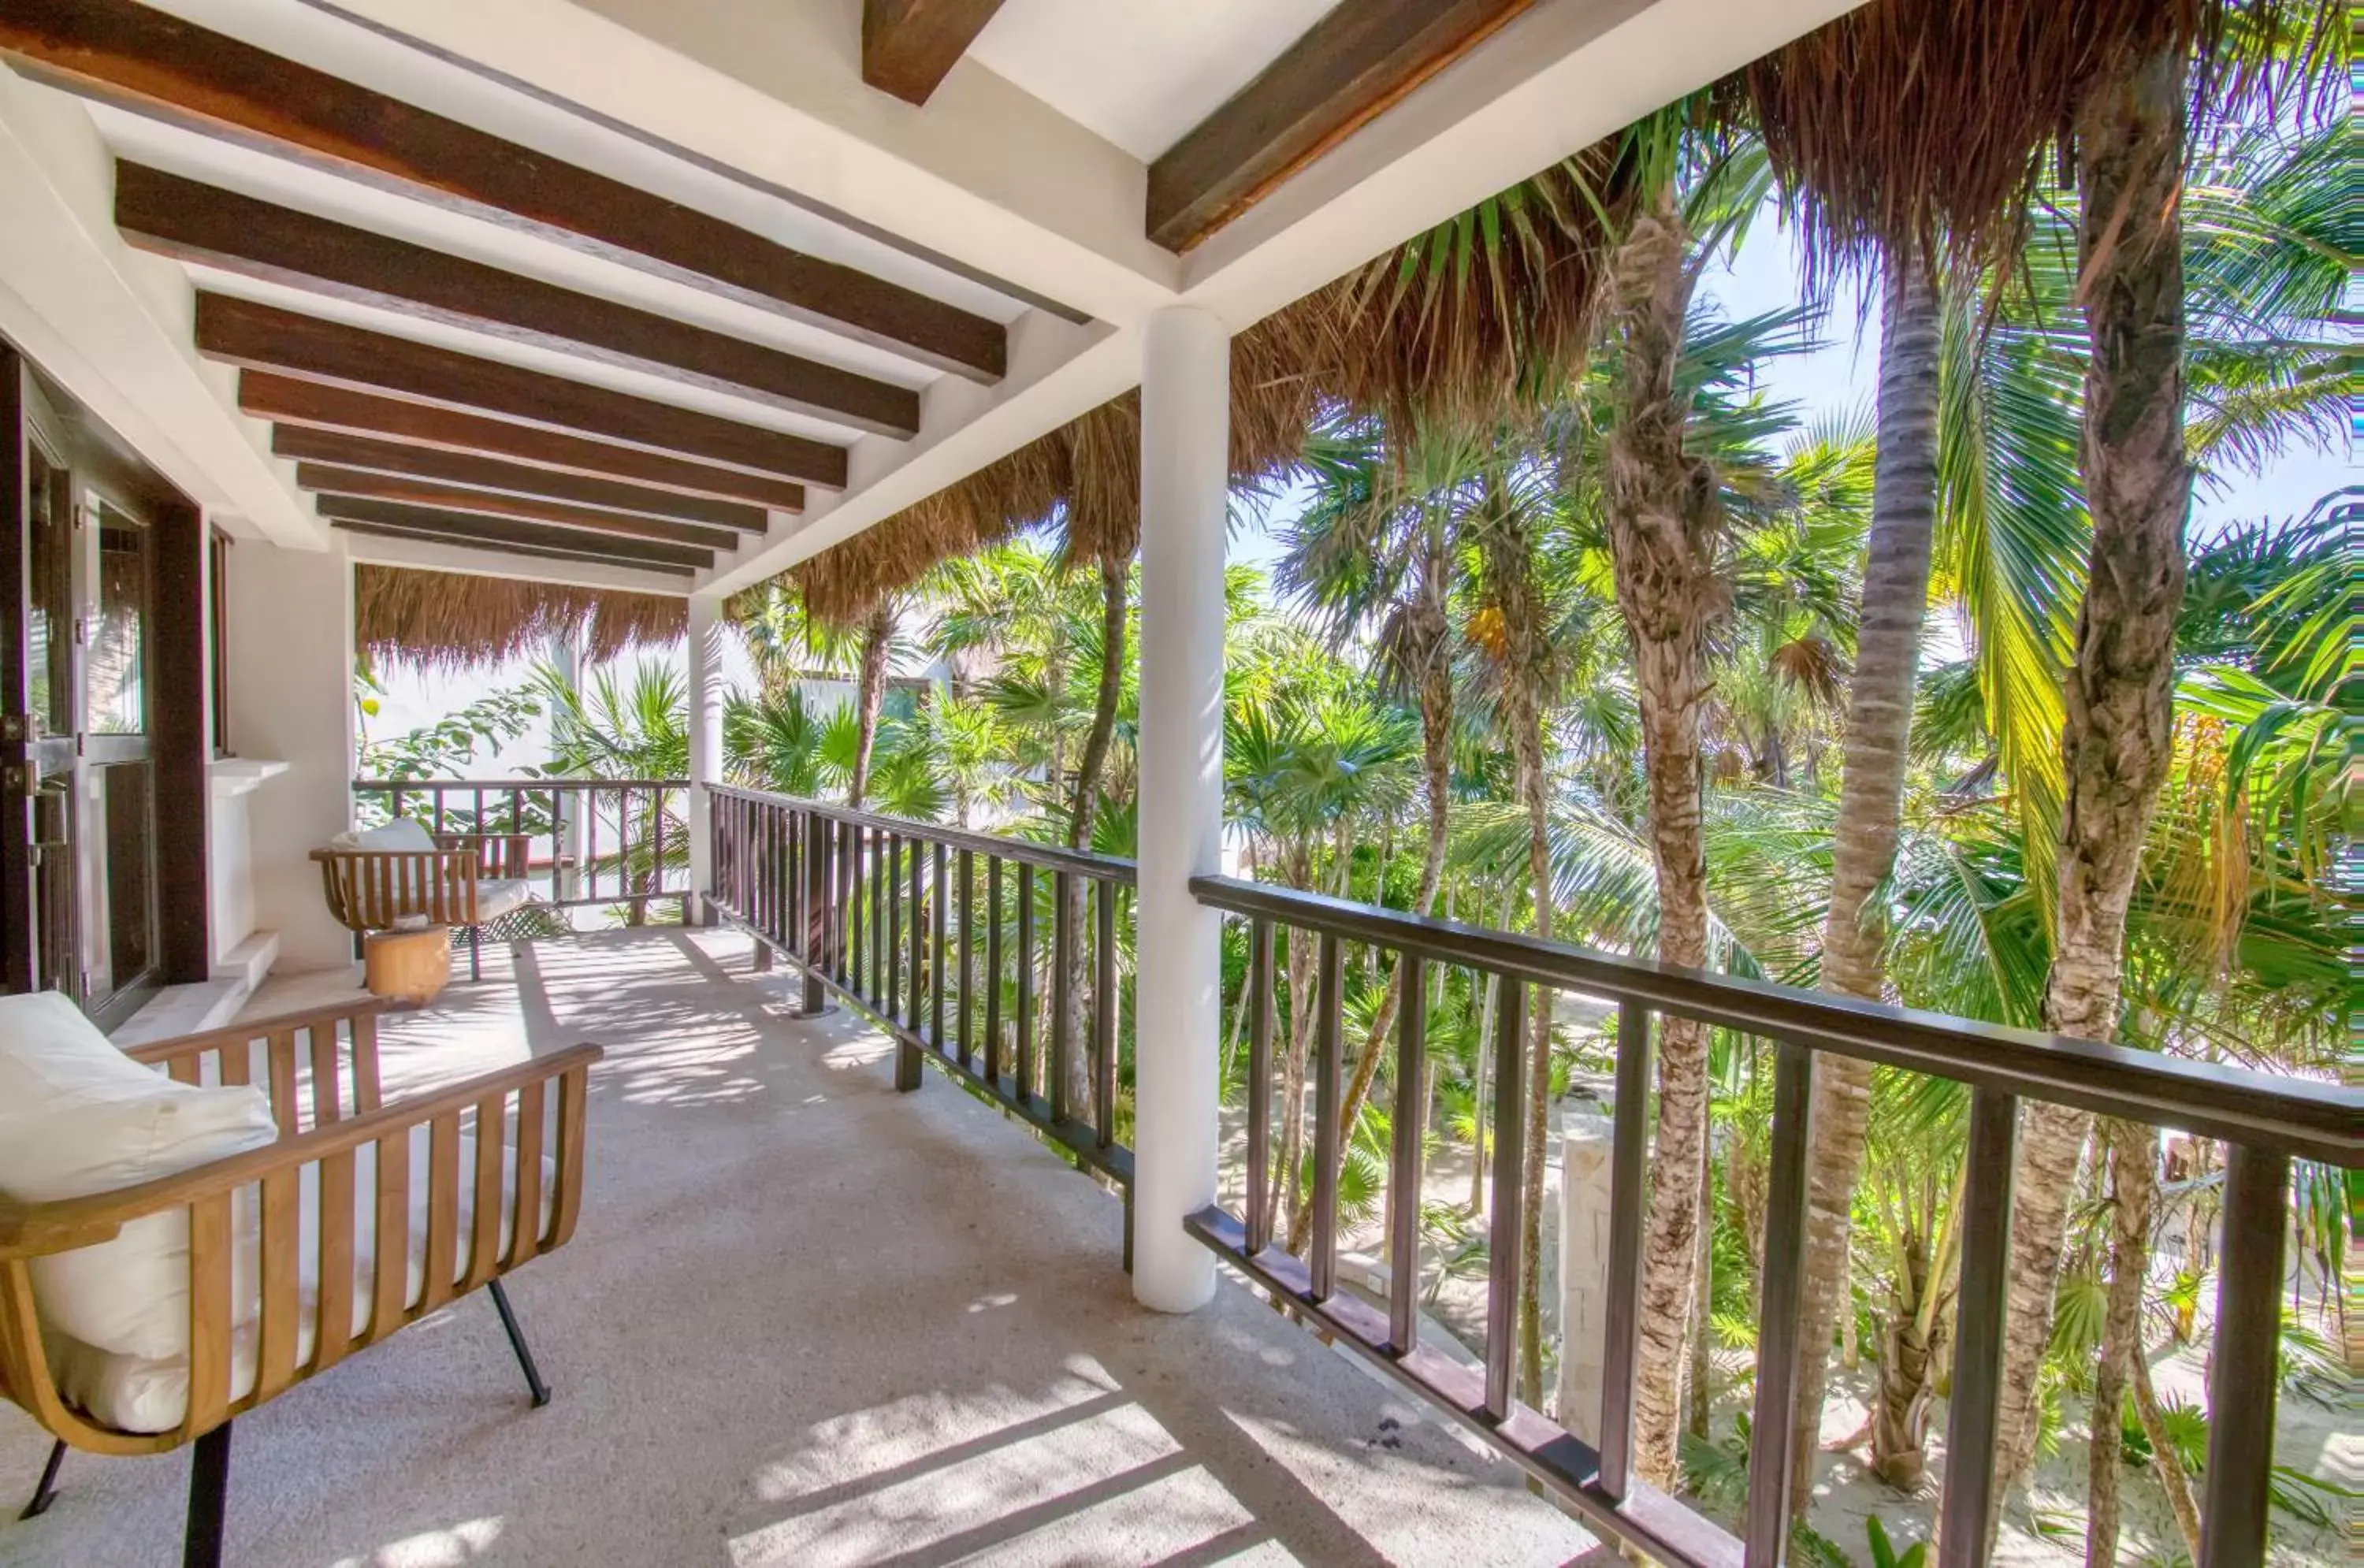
(289, 644)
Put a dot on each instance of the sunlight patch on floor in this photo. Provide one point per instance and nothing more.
(452, 1547)
(1002, 1476)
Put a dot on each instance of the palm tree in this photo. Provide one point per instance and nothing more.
(636, 730)
(1872, 800)
(870, 694)
(1373, 553)
(1665, 513)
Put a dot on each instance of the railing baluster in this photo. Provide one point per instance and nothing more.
(1404, 1157)
(911, 1004)
(2241, 1371)
(894, 968)
(1104, 1015)
(1782, 1294)
(1629, 1150)
(967, 954)
(993, 969)
(851, 941)
(875, 980)
(1025, 1063)
(936, 965)
(1062, 991)
(1260, 1023)
(1504, 1234)
(1981, 1306)
(1322, 1262)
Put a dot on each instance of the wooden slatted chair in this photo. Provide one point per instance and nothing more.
(281, 1217)
(377, 877)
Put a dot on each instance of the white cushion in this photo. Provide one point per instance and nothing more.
(78, 1117)
(150, 1394)
(495, 899)
(406, 833)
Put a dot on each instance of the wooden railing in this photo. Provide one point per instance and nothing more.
(2266, 1121)
(589, 841)
(938, 934)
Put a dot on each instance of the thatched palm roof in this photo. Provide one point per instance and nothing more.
(447, 620)
(1908, 122)
(1087, 470)
(1491, 312)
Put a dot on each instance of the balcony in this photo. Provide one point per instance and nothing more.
(805, 1319)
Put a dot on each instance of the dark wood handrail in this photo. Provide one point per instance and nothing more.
(448, 787)
(1017, 852)
(2315, 1120)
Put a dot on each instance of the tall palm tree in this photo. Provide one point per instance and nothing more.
(1373, 553)
(1872, 798)
(1507, 532)
(870, 696)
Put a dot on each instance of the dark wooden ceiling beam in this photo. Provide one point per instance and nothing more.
(143, 59)
(909, 45)
(264, 337)
(437, 522)
(324, 480)
(1349, 68)
(193, 222)
(318, 405)
(428, 536)
(361, 454)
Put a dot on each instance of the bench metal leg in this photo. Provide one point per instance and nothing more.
(201, 1546)
(46, 1492)
(533, 1381)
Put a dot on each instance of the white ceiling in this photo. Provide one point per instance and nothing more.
(1139, 72)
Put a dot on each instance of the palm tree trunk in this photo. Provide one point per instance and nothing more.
(1698, 1388)
(1662, 517)
(1511, 570)
(1081, 814)
(1427, 631)
(1872, 803)
(870, 697)
(2163, 1457)
(2117, 739)
(2131, 1186)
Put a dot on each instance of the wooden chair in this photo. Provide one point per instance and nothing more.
(448, 879)
(490, 1205)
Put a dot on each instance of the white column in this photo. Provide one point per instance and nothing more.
(705, 736)
(1585, 1189)
(566, 659)
(1185, 437)
(288, 642)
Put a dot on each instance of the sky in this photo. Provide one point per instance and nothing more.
(1838, 376)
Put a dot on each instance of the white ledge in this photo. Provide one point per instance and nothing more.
(238, 776)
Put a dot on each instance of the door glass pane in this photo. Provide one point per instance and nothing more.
(118, 643)
(49, 668)
(125, 840)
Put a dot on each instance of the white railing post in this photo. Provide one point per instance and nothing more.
(705, 745)
(567, 877)
(1185, 440)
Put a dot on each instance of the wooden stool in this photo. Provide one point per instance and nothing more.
(408, 966)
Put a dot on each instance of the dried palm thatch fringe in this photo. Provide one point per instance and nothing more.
(449, 621)
(1087, 472)
(1909, 123)
(1486, 313)
(1496, 307)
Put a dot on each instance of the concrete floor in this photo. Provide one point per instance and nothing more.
(805, 1320)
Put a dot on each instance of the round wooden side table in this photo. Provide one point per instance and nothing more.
(410, 966)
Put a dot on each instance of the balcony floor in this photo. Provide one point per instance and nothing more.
(805, 1320)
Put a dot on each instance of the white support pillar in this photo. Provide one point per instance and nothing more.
(705, 742)
(1185, 463)
(566, 659)
(288, 643)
